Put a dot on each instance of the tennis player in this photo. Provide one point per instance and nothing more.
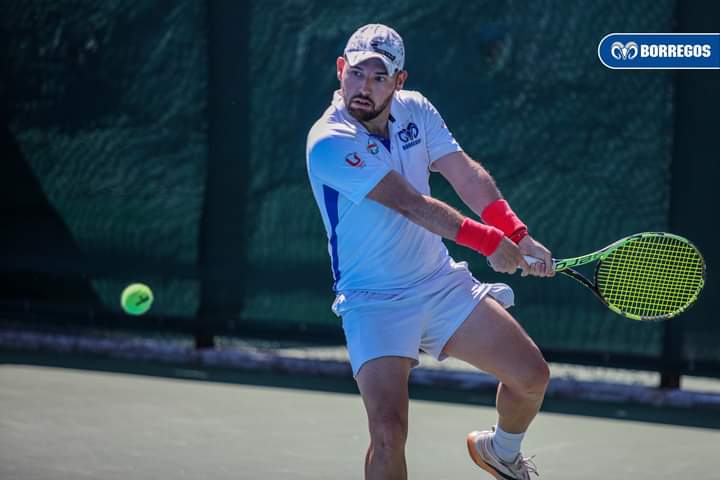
(369, 159)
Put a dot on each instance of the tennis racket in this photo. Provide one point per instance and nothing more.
(646, 276)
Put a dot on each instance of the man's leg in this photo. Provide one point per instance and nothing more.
(491, 340)
(383, 384)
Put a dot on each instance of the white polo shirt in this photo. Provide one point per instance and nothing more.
(372, 247)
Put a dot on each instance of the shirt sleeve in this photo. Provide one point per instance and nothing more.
(440, 141)
(340, 164)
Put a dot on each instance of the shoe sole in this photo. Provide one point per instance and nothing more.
(478, 459)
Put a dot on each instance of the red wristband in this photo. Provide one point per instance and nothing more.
(500, 215)
(482, 238)
(518, 235)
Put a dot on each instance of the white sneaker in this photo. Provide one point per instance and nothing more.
(481, 451)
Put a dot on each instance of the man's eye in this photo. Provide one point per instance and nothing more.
(356, 73)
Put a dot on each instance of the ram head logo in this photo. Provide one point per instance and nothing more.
(627, 51)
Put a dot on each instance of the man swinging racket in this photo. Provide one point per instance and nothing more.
(369, 159)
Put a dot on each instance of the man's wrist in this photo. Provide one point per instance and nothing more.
(481, 238)
(518, 235)
(500, 215)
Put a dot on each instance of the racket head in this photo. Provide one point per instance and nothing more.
(650, 276)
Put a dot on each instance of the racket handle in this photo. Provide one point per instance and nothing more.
(532, 260)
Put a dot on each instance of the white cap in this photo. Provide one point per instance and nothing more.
(376, 41)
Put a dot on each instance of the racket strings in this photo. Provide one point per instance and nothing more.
(651, 276)
(654, 300)
(660, 287)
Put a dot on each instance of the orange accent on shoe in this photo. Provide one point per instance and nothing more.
(472, 449)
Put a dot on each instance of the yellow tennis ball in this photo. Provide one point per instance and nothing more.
(136, 299)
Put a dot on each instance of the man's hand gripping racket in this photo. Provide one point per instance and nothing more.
(529, 255)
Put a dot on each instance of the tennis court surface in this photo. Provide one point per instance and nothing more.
(73, 417)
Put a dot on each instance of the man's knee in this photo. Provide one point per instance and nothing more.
(388, 431)
(533, 380)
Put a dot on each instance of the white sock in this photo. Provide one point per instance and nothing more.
(506, 445)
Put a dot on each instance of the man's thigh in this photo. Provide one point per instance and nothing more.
(380, 325)
(383, 384)
(493, 341)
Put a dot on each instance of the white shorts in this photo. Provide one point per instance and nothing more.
(424, 317)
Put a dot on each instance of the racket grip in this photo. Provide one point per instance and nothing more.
(532, 260)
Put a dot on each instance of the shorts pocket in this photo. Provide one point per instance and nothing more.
(346, 301)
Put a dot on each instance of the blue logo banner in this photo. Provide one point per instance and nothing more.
(660, 50)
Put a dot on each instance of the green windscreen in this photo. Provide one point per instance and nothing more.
(582, 153)
(109, 123)
(108, 173)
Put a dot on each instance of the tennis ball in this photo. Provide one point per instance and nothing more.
(136, 299)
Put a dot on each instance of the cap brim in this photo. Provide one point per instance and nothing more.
(355, 58)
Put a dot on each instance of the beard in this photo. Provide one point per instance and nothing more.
(367, 115)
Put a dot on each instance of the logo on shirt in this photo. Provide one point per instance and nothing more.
(372, 146)
(354, 160)
(409, 136)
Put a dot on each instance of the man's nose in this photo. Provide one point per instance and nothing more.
(365, 87)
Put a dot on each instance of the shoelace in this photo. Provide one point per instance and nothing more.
(528, 463)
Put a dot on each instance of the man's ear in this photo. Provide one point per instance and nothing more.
(340, 66)
(400, 80)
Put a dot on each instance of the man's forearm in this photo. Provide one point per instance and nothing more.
(480, 193)
(436, 216)
(442, 219)
(394, 192)
(479, 190)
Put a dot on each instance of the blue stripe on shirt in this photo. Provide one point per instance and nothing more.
(383, 140)
(331, 207)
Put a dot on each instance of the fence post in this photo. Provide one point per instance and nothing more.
(223, 233)
(694, 173)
